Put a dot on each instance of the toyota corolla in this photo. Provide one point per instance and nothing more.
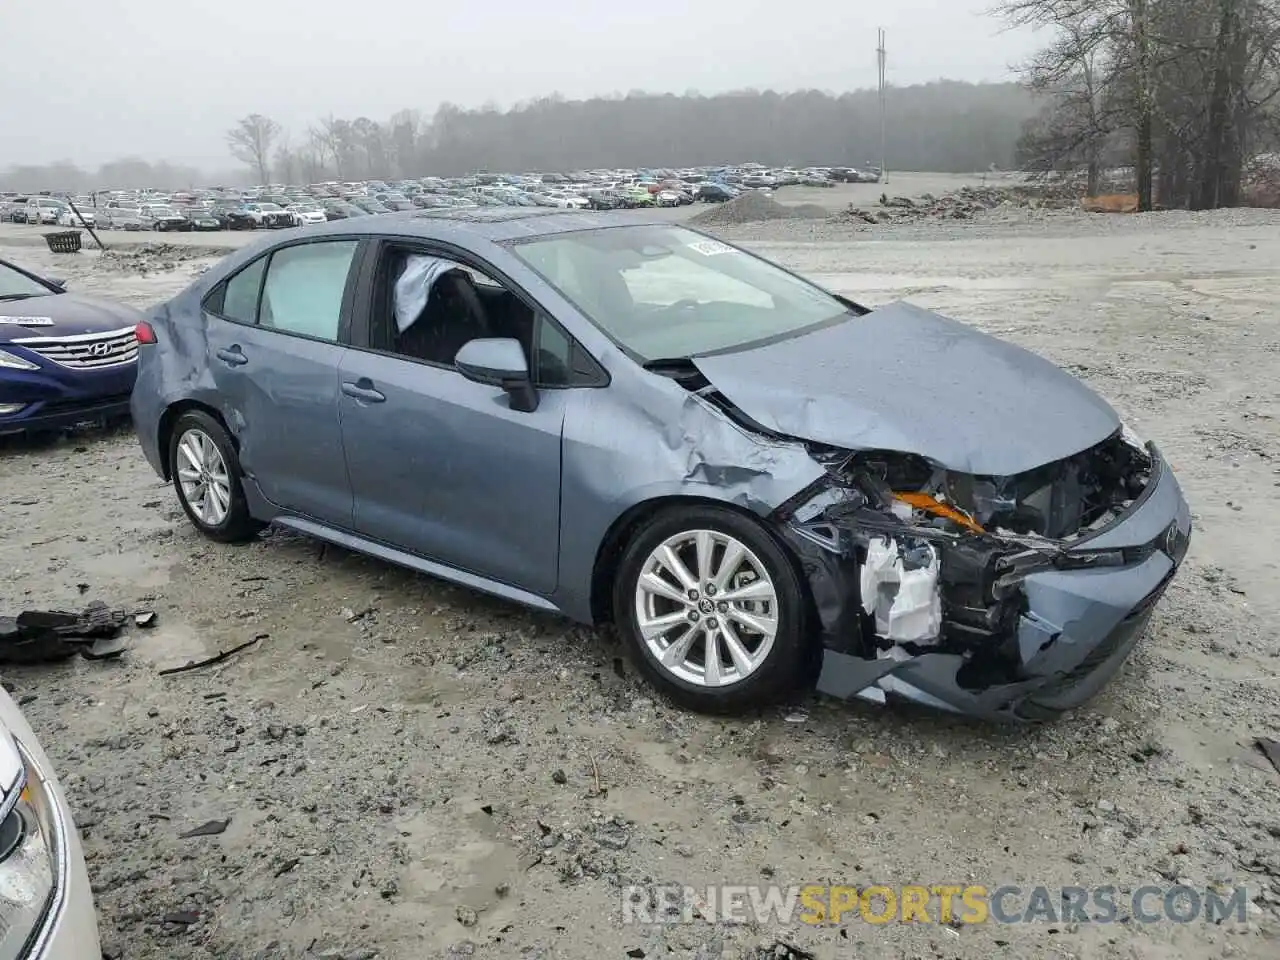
(630, 421)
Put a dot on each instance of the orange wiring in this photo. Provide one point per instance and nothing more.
(922, 501)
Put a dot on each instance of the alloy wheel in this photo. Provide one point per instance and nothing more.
(203, 475)
(706, 608)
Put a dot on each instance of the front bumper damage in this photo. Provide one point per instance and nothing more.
(983, 621)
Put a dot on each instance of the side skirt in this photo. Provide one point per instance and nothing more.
(430, 567)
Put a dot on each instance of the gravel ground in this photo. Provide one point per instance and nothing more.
(415, 771)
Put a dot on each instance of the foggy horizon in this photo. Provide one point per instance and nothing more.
(192, 76)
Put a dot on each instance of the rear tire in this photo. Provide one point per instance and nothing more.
(207, 477)
(712, 610)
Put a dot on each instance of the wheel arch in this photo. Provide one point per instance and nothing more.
(164, 431)
(613, 545)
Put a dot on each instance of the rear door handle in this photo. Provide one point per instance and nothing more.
(233, 355)
(363, 389)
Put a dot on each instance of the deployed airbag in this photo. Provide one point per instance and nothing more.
(413, 286)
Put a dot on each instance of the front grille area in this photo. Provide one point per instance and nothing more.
(87, 351)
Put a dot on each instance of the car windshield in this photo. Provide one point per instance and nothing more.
(664, 292)
(18, 286)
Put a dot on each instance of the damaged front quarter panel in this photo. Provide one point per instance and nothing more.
(918, 600)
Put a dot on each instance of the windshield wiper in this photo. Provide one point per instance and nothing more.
(17, 296)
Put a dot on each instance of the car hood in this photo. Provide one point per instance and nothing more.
(70, 314)
(903, 378)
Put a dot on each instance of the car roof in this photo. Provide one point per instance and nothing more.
(495, 224)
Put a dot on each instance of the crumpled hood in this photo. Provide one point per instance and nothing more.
(904, 378)
(71, 314)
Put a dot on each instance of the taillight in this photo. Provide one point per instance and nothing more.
(144, 332)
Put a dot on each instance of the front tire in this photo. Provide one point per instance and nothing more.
(206, 475)
(712, 610)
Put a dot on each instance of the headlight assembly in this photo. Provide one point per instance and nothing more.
(32, 862)
(12, 361)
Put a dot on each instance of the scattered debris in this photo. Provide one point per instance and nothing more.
(1270, 749)
(210, 829)
(466, 916)
(965, 203)
(216, 658)
(146, 619)
(46, 636)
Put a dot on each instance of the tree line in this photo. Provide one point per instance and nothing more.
(942, 126)
(1185, 91)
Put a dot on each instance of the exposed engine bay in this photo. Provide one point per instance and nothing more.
(936, 558)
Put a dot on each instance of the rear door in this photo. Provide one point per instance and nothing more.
(276, 340)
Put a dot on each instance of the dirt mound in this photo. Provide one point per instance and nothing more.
(963, 204)
(754, 207)
(152, 258)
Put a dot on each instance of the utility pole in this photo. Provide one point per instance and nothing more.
(880, 60)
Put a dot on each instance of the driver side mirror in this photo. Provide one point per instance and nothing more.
(499, 362)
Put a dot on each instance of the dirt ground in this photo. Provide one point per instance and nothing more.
(412, 770)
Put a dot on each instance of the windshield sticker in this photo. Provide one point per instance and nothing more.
(709, 248)
(28, 321)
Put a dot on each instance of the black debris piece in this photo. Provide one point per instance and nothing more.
(215, 659)
(182, 917)
(1270, 749)
(210, 829)
(46, 636)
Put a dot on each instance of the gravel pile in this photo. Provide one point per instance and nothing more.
(754, 207)
(964, 203)
(152, 258)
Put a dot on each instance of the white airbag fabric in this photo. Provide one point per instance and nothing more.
(413, 287)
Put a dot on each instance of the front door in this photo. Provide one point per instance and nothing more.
(443, 468)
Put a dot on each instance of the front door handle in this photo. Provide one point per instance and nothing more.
(363, 389)
(233, 355)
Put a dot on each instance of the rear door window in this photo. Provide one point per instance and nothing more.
(305, 286)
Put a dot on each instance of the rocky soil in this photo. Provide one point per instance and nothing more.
(410, 770)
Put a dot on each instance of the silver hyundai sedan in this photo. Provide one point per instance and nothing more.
(626, 420)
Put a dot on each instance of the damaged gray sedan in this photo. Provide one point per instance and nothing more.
(629, 421)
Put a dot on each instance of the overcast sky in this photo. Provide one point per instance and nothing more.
(93, 80)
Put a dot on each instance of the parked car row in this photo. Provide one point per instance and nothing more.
(283, 205)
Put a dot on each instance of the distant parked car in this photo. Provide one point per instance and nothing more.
(370, 205)
(202, 220)
(42, 210)
(342, 210)
(716, 193)
(14, 210)
(117, 216)
(305, 213)
(67, 217)
(269, 215)
(64, 358)
(164, 219)
(233, 217)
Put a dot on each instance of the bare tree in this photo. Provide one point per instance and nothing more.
(1188, 83)
(251, 140)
